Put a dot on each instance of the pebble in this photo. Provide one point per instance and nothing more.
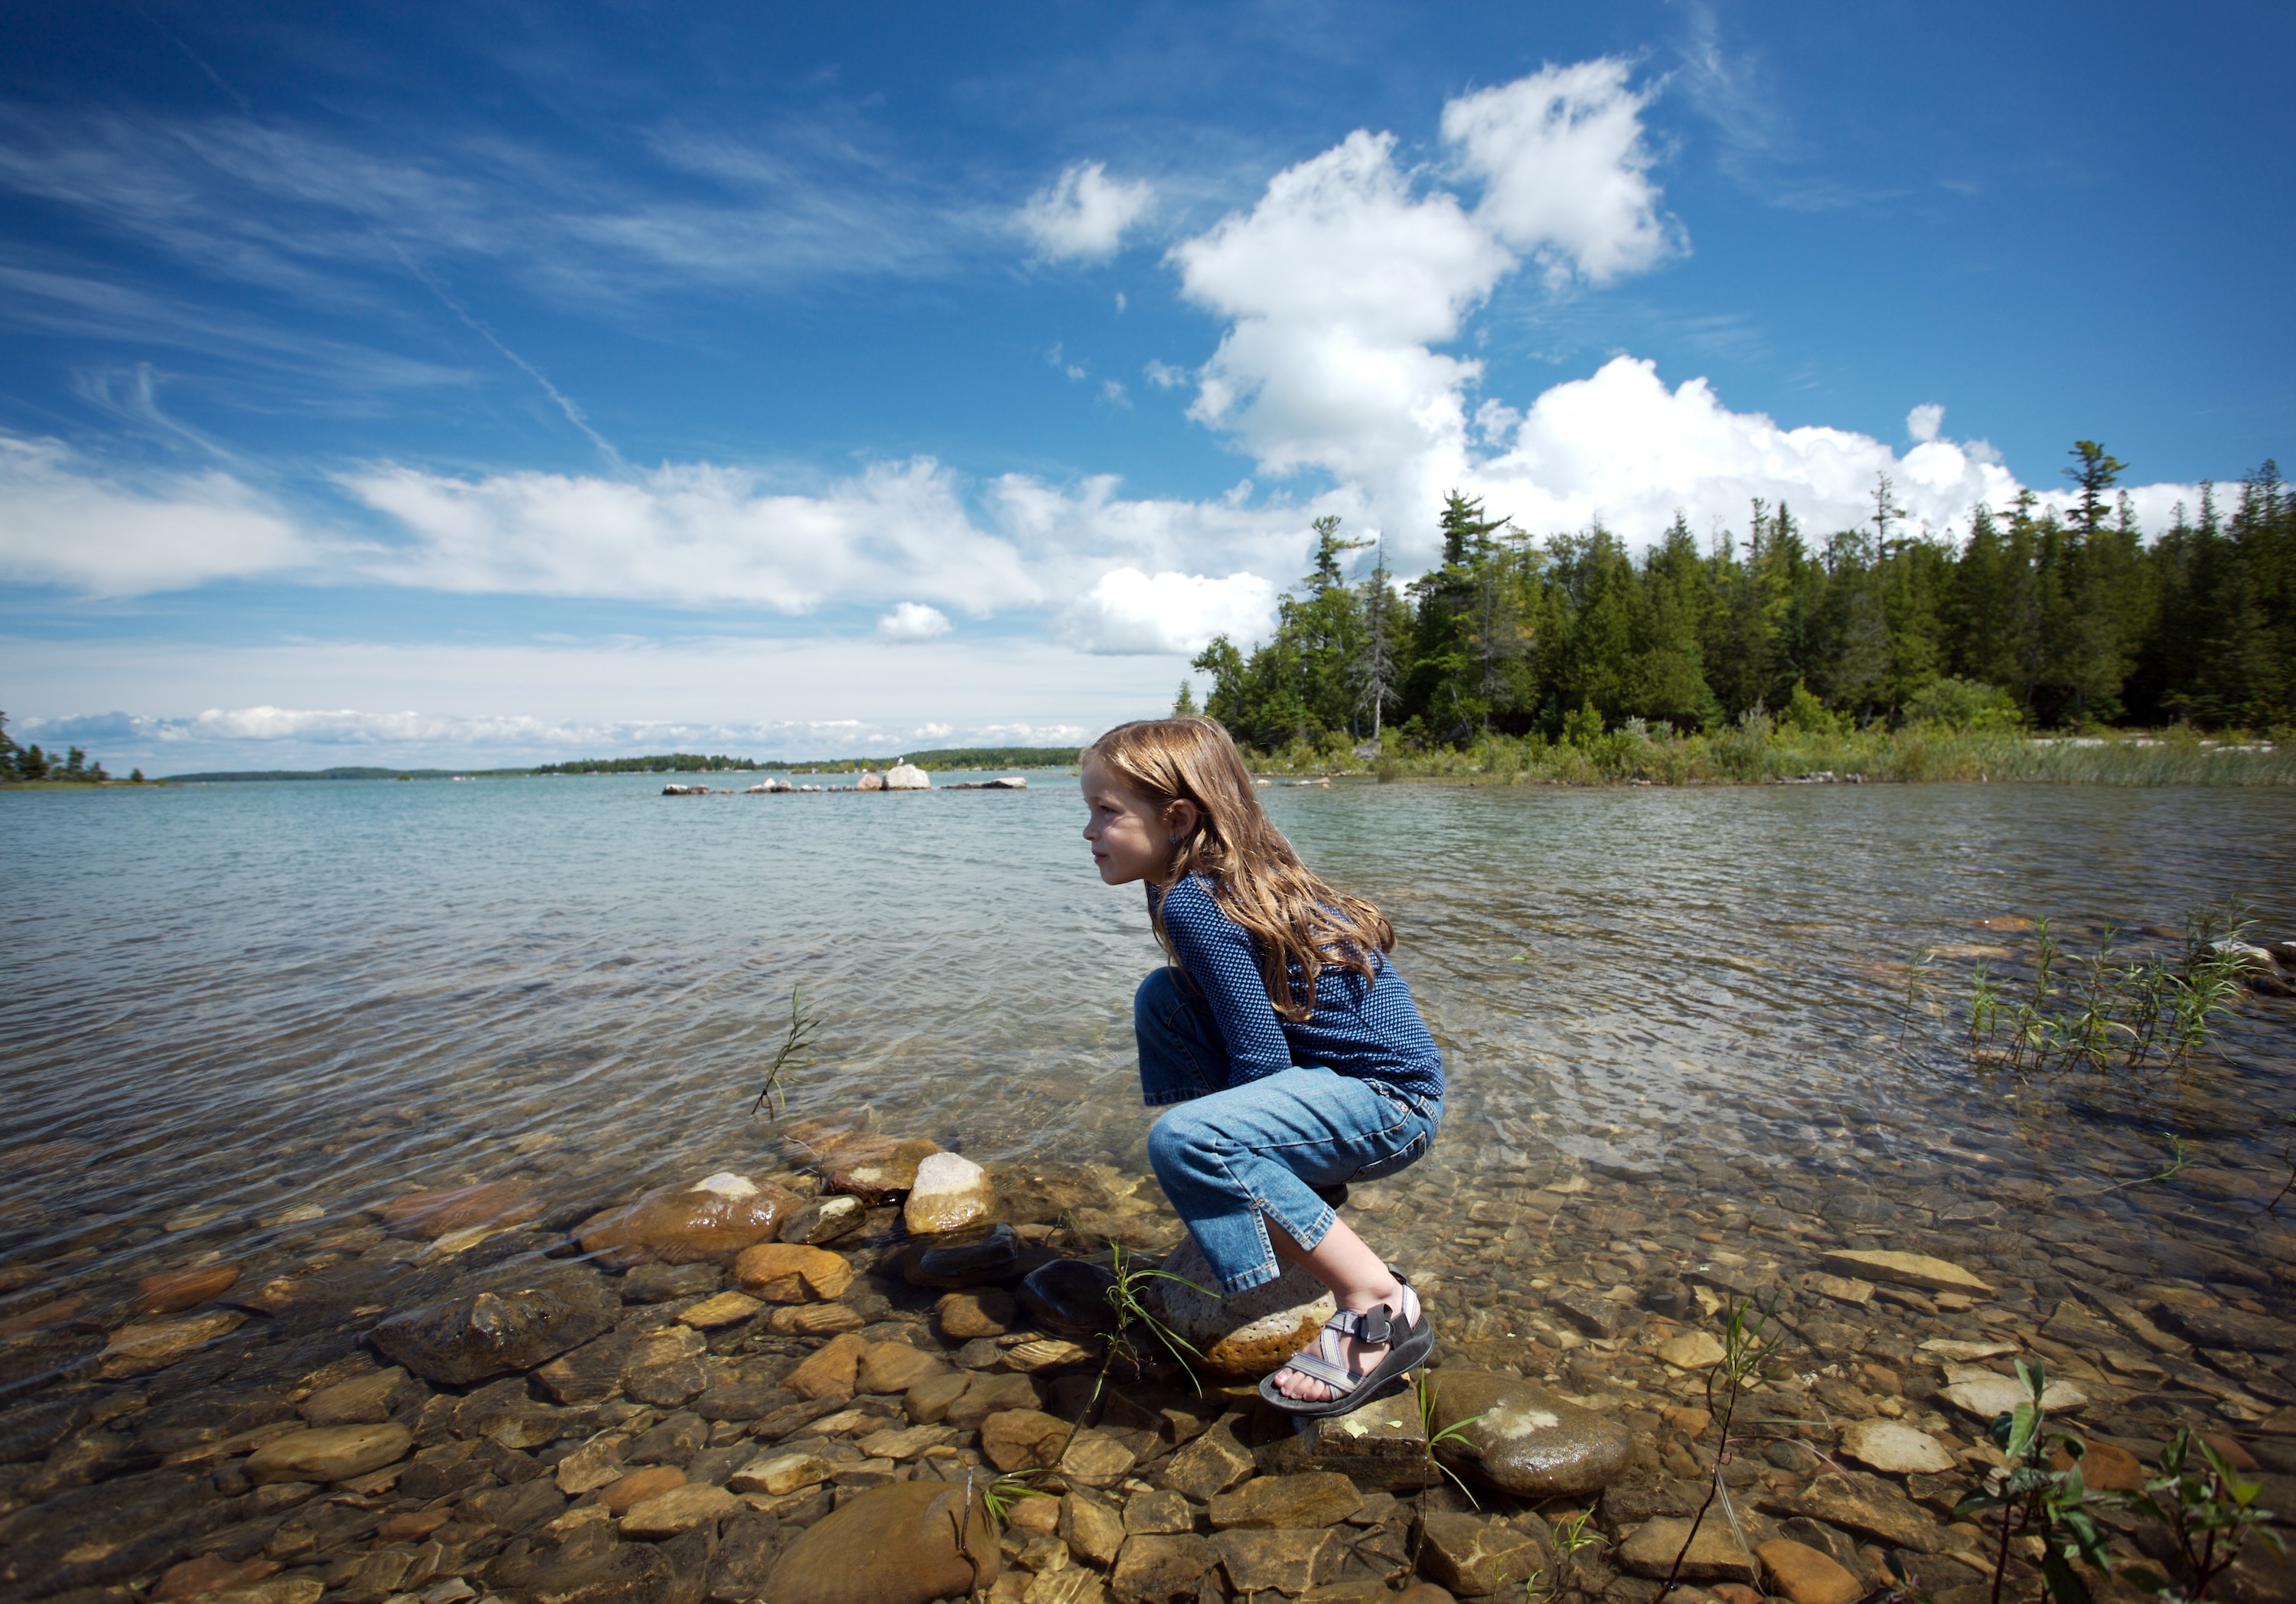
(1903, 1270)
(496, 1205)
(679, 1510)
(983, 1311)
(1987, 1395)
(724, 1309)
(361, 1401)
(628, 1491)
(791, 1273)
(137, 1349)
(1692, 1350)
(1714, 1553)
(782, 1473)
(1805, 1575)
(992, 1255)
(1314, 1498)
(825, 1220)
(1475, 1557)
(1895, 1447)
(1070, 1296)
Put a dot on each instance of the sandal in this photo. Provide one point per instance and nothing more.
(1409, 1347)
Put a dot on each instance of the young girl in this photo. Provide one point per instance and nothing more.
(1291, 1047)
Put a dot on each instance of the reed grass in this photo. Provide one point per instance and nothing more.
(1758, 751)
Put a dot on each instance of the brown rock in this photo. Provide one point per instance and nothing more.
(791, 1273)
(430, 1214)
(678, 1509)
(1288, 1562)
(895, 1367)
(990, 1394)
(903, 1543)
(209, 1572)
(832, 1371)
(1475, 1557)
(361, 1401)
(1093, 1532)
(711, 1220)
(597, 1463)
(1805, 1575)
(1095, 1458)
(928, 1401)
(1022, 1439)
(666, 1368)
(1863, 1504)
(876, 1169)
(948, 1192)
(1152, 1569)
(1212, 1464)
(823, 1220)
(1523, 1438)
(726, 1309)
(627, 1492)
(1736, 1592)
(1314, 1498)
(171, 1291)
(813, 1320)
(1248, 1335)
(779, 1474)
(44, 1316)
(1903, 1270)
(982, 1312)
(136, 1349)
(329, 1453)
(1714, 1553)
(468, 1340)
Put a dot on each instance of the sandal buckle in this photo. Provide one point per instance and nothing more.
(1376, 1326)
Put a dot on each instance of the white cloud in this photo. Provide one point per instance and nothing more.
(1083, 214)
(1163, 375)
(911, 621)
(1565, 172)
(1130, 611)
(1922, 424)
(63, 523)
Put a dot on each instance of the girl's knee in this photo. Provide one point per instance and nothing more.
(1156, 997)
(1177, 1140)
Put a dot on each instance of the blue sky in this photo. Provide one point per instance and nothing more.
(480, 384)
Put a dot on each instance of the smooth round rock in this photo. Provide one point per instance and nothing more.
(1068, 1296)
(994, 1257)
(711, 1220)
(1528, 1442)
(172, 1291)
(903, 1543)
(1896, 1447)
(431, 1215)
(1249, 1335)
(791, 1273)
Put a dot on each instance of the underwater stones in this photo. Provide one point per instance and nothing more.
(991, 1395)
(982, 1312)
(1692, 1350)
(361, 1401)
(724, 1309)
(1984, 1394)
(1864, 1505)
(329, 1453)
(2224, 1327)
(903, 1543)
(1285, 1562)
(776, 1473)
(1070, 1296)
(948, 1192)
(1903, 1270)
(1592, 1314)
(895, 1367)
(825, 1220)
(487, 1334)
(653, 1283)
(1802, 1574)
(666, 1368)
(495, 1204)
(1714, 1553)
(172, 1291)
(1245, 1335)
(1529, 1440)
(790, 1273)
(707, 1220)
(679, 1510)
(875, 1169)
(1041, 1194)
(992, 1256)
(1476, 1555)
(137, 1349)
(1311, 1498)
(1022, 1439)
(1893, 1447)
(832, 1370)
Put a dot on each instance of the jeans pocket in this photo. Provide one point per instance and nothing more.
(1403, 1158)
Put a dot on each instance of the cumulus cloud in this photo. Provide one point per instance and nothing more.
(1130, 611)
(67, 524)
(1084, 214)
(1565, 174)
(912, 621)
(1924, 422)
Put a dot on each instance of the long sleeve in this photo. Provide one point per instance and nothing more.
(1218, 955)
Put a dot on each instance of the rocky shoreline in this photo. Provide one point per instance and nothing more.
(801, 1383)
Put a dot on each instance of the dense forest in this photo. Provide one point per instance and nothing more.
(2034, 620)
(19, 764)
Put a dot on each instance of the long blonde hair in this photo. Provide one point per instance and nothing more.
(1298, 922)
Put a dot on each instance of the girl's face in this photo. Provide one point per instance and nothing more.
(1132, 838)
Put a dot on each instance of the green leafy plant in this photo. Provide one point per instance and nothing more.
(794, 1053)
(1570, 1534)
(2036, 1500)
(1747, 1344)
(1007, 1490)
(2208, 1509)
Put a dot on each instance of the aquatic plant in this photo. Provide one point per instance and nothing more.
(2209, 1511)
(794, 1053)
(1571, 1533)
(1126, 1296)
(2038, 1499)
(1423, 1392)
(1005, 1491)
(1747, 1344)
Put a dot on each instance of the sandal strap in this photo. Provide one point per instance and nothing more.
(1340, 1380)
(1374, 1326)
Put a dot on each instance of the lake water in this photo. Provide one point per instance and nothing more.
(234, 1011)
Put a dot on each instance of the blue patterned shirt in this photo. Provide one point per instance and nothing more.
(1370, 1029)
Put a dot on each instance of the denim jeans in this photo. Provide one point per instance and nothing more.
(1233, 1158)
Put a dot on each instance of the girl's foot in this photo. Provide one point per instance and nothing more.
(1348, 1350)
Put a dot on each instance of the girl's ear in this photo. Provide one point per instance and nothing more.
(1182, 817)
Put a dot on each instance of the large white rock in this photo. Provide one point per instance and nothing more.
(951, 1191)
(906, 776)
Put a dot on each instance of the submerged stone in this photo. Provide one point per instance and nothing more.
(993, 1255)
(492, 1333)
(1070, 1296)
(903, 1543)
(1529, 1441)
(707, 1220)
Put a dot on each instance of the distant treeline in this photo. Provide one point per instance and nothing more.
(2034, 620)
(21, 763)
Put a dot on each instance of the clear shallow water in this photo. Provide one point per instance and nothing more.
(236, 1005)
